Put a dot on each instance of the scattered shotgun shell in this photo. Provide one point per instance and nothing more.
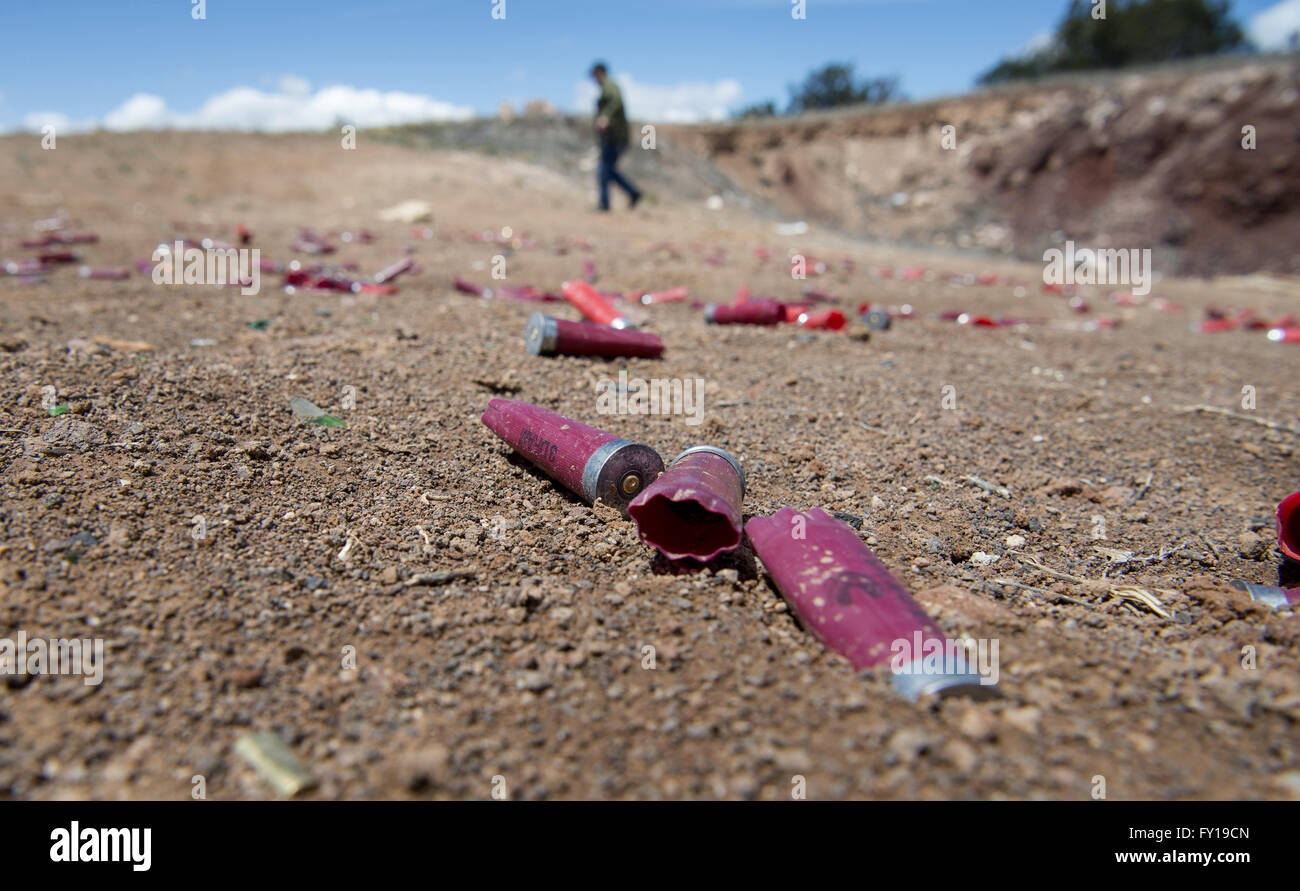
(878, 320)
(468, 287)
(58, 257)
(588, 462)
(1288, 526)
(846, 597)
(828, 319)
(393, 270)
(751, 312)
(1284, 335)
(1271, 595)
(693, 510)
(793, 311)
(595, 307)
(110, 272)
(549, 336)
(24, 267)
(309, 242)
(672, 295)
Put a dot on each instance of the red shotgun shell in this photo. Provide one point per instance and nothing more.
(595, 307)
(58, 257)
(693, 510)
(393, 270)
(751, 312)
(829, 319)
(588, 462)
(846, 597)
(1288, 526)
(672, 295)
(1284, 335)
(549, 336)
(468, 287)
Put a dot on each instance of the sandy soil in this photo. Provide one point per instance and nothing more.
(530, 669)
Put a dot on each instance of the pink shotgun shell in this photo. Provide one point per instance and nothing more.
(845, 596)
(588, 462)
(693, 510)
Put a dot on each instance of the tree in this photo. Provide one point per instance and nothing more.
(1132, 32)
(757, 110)
(833, 86)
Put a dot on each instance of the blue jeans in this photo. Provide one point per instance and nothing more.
(607, 173)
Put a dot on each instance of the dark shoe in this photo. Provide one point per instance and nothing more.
(632, 203)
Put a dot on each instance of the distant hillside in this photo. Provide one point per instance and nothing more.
(1139, 159)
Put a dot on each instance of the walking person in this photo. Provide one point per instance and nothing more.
(612, 136)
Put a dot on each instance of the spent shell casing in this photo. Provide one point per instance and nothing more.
(548, 336)
(588, 462)
(592, 305)
(692, 512)
(751, 312)
(845, 596)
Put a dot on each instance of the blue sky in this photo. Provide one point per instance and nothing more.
(268, 64)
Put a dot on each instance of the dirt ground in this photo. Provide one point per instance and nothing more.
(527, 674)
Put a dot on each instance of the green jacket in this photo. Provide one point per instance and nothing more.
(610, 104)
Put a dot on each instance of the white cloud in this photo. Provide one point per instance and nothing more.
(38, 120)
(1273, 27)
(294, 85)
(292, 106)
(676, 103)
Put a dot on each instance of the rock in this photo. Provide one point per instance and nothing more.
(1024, 719)
(246, 678)
(1015, 541)
(1252, 546)
(852, 519)
(909, 743)
(122, 534)
(533, 681)
(74, 433)
(1061, 488)
(977, 724)
(1112, 496)
(1289, 782)
(961, 755)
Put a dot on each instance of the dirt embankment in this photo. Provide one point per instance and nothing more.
(1147, 160)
